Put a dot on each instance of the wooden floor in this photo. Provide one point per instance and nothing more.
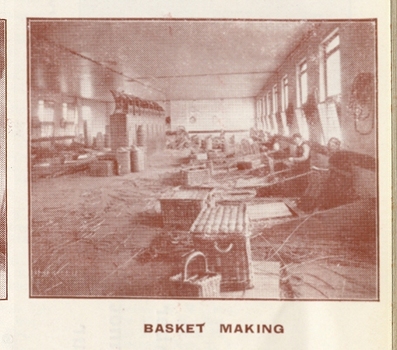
(266, 283)
(103, 237)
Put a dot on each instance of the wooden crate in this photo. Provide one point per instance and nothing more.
(181, 207)
(195, 177)
(222, 233)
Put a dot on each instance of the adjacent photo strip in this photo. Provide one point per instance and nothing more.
(203, 159)
(3, 163)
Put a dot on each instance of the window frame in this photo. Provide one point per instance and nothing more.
(324, 56)
(284, 93)
(299, 73)
(275, 98)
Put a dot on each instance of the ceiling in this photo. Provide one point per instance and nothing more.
(159, 59)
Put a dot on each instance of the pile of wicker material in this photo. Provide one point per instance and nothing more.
(180, 139)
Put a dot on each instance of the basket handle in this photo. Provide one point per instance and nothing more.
(220, 250)
(189, 259)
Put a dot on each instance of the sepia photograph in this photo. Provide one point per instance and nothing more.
(201, 159)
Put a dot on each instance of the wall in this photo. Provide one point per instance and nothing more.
(59, 76)
(95, 112)
(233, 115)
(358, 55)
(357, 48)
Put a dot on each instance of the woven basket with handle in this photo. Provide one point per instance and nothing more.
(197, 283)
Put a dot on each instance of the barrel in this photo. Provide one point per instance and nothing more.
(140, 136)
(137, 159)
(123, 161)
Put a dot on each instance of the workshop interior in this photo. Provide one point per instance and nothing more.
(192, 158)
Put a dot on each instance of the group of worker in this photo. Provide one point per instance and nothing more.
(280, 159)
(336, 180)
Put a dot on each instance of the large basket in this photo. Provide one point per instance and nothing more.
(222, 233)
(201, 284)
(180, 208)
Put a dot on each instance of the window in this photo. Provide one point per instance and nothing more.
(263, 116)
(284, 104)
(268, 112)
(275, 99)
(330, 86)
(65, 111)
(46, 111)
(41, 111)
(87, 114)
(301, 84)
(69, 119)
(275, 109)
(330, 74)
(46, 116)
(329, 121)
(268, 105)
(302, 123)
(258, 109)
(284, 93)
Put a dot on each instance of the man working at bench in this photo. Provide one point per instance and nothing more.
(300, 163)
(274, 154)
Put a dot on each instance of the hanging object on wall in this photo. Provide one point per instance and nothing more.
(310, 109)
(362, 103)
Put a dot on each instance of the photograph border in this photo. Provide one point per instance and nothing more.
(5, 75)
(29, 20)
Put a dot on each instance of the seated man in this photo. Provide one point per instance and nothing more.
(312, 198)
(339, 187)
(300, 162)
(275, 154)
(332, 186)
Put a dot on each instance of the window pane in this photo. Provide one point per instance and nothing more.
(65, 111)
(285, 94)
(275, 99)
(333, 74)
(268, 103)
(332, 44)
(303, 87)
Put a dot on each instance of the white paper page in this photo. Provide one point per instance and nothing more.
(33, 318)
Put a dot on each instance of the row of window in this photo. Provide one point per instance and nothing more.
(70, 117)
(330, 87)
(69, 113)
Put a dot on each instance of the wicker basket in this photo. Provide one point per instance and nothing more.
(201, 284)
(180, 208)
(223, 235)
